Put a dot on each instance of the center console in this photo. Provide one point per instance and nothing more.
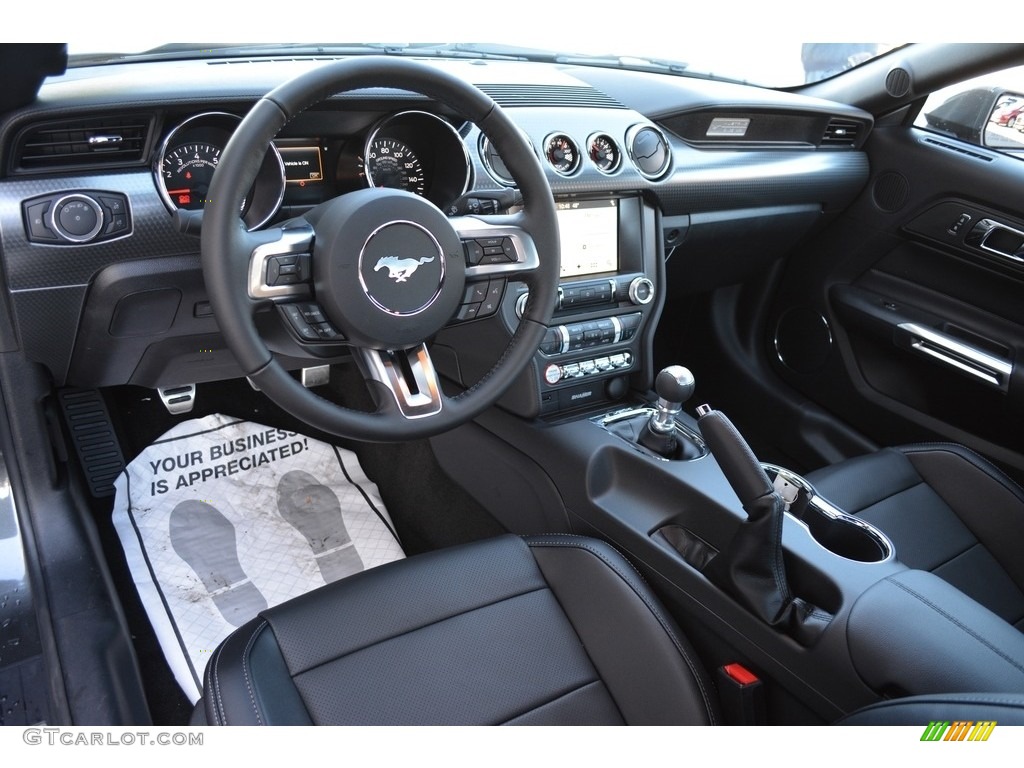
(854, 626)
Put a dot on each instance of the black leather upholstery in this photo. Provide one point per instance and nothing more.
(946, 510)
(551, 630)
(1002, 708)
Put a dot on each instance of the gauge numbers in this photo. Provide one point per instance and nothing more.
(390, 163)
(187, 172)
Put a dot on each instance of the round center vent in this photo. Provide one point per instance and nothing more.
(648, 150)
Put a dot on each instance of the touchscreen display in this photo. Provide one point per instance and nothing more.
(590, 236)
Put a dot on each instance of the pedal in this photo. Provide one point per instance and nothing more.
(93, 436)
(178, 400)
(316, 376)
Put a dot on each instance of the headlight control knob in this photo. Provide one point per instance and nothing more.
(76, 218)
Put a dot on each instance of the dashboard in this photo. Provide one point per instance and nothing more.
(105, 176)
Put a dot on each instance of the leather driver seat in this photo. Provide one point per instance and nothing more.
(946, 510)
(554, 630)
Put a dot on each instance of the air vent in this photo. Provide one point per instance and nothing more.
(78, 143)
(841, 133)
(960, 149)
(549, 96)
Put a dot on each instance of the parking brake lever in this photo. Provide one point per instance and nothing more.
(751, 566)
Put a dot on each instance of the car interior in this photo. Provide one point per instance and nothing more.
(670, 399)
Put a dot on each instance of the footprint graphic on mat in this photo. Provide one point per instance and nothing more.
(314, 511)
(205, 539)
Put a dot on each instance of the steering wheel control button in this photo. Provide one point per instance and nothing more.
(488, 251)
(474, 252)
(288, 269)
(309, 322)
(299, 324)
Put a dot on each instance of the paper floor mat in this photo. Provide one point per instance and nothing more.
(221, 518)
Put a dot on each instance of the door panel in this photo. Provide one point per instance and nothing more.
(921, 283)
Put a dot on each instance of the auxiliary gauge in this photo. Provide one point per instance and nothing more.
(604, 152)
(562, 153)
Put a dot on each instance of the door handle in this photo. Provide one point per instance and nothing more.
(987, 368)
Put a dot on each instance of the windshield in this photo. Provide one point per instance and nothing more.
(780, 64)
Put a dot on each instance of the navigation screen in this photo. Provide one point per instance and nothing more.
(590, 236)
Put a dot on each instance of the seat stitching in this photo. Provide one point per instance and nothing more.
(219, 710)
(215, 685)
(956, 622)
(972, 457)
(978, 544)
(581, 542)
(245, 670)
(549, 702)
(892, 495)
(420, 627)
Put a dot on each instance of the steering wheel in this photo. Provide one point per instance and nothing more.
(386, 267)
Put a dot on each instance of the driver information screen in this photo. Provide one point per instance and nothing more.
(589, 235)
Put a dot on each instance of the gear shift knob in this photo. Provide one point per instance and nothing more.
(674, 385)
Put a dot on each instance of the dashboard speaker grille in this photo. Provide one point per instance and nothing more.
(897, 82)
(549, 96)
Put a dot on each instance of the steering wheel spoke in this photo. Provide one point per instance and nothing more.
(281, 261)
(496, 246)
(409, 375)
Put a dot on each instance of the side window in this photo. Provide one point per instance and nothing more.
(987, 111)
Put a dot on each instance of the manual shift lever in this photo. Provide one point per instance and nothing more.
(674, 386)
(751, 566)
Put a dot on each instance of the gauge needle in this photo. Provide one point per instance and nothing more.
(178, 191)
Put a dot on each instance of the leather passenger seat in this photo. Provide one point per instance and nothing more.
(552, 630)
(947, 510)
(555, 630)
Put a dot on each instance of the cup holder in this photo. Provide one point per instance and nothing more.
(839, 533)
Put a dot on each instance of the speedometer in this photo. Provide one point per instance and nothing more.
(390, 163)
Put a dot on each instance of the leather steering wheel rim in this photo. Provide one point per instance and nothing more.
(226, 247)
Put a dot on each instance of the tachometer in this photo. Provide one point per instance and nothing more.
(390, 163)
(184, 167)
(187, 171)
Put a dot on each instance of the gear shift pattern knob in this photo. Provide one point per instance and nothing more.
(674, 384)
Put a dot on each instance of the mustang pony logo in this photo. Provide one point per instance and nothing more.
(400, 269)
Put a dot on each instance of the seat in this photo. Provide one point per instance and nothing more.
(539, 631)
(947, 510)
(553, 630)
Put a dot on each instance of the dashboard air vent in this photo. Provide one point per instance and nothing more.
(549, 96)
(81, 142)
(841, 133)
